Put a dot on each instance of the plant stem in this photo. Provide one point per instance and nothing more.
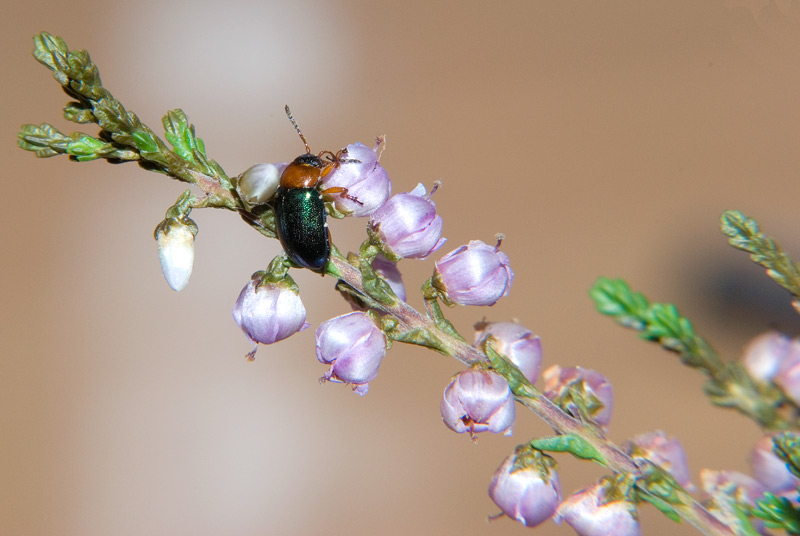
(409, 318)
(688, 509)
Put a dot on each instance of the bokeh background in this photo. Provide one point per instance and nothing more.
(603, 139)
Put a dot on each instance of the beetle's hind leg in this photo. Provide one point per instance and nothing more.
(342, 193)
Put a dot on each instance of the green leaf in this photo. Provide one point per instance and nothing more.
(46, 140)
(79, 112)
(114, 119)
(45, 46)
(517, 381)
(145, 142)
(744, 525)
(574, 444)
(180, 134)
(654, 481)
(786, 446)
(376, 286)
(665, 325)
(743, 233)
(778, 513)
(613, 297)
(86, 148)
(418, 336)
(662, 505)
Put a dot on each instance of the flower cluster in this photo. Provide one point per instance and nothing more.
(607, 507)
(478, 399)
(403, 226)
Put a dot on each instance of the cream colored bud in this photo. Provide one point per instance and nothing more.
(176, 254)
(258, 184)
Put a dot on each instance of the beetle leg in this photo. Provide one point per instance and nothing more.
(336, 159)
(342, 193)
(330, 156)
(339, 158)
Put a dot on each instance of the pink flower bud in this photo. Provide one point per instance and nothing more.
(763, 355)
(478, 401)
(744, 488)
(475, 274)
(590, 513)
(526, 488)
(354, 347)
(723, 487)
(389, 271)
(664, 451)
(589, 384)
(367, 183)
(517, 343)
(407, 225)
(771, 471)
(269, 313)
(788, 376)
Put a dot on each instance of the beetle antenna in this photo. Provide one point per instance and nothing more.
(289, 113)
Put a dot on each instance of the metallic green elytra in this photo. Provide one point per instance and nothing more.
(300, 221)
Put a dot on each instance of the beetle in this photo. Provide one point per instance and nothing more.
(300, 217)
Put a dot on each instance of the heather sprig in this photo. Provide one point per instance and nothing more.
(122, 137)
(764, 385)
(502, 364)
(728, 385)
(658, 322)
(743, 233)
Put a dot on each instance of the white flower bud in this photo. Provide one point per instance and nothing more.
(258, 184)
(175, 253)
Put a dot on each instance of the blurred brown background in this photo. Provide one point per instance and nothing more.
(603, 138)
